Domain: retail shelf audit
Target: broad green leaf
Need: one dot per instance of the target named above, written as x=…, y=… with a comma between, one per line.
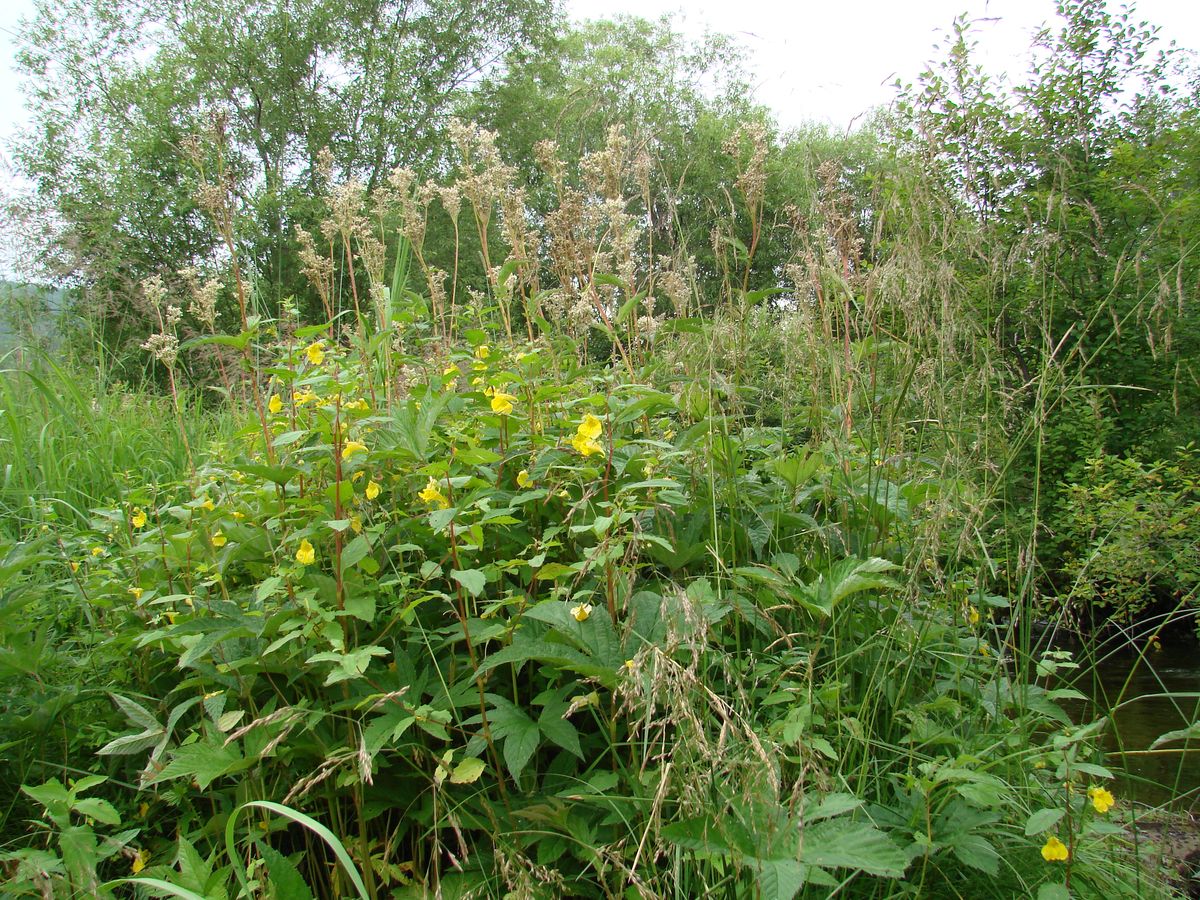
x=471, y=579
x=468, y=771
x=1043, y=820
x=853, y=845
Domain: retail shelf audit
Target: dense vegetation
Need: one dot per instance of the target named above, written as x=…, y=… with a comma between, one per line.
x=610, y=498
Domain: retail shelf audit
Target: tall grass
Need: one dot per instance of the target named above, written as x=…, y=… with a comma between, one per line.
x=72, y=440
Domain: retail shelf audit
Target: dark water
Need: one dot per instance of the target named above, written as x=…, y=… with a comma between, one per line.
x=1149, y=697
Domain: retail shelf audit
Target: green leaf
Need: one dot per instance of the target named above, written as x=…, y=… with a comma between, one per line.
x=853, y=845
x=468, y=771
x=355, y=551
x=283, y=878
x=98, y=809
x=203, y=762
x=1043, y=820
x=1053, y=891
x=471, y=579
x=360, y=604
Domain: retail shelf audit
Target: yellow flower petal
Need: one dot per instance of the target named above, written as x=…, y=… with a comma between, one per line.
x=315, y=353
x=306, y=555
x=590, y=427
x=1055, y=850
x=372, y=490
x=581, y=612
x=523, y=479
x=432, y=494
x=275, y=404
x=502, y=403
x=219, y=540
x=483, y=351
x=351, y=447
x=139, y=861
x=137, y=592
x=585, y=446
x=138, y=519
x=1102, y=800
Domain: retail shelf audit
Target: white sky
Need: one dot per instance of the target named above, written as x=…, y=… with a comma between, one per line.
x=827, y=61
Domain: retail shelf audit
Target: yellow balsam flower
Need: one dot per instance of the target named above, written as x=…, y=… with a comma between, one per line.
x=219, y=540
x=1102, y=800
x=1055, y=850
x=74, y=566
x=139, y=861
x=584, y=441
x=432, y=494
x=137, y=593
x=207, y=504
x=97, y=551
x=356, y=524
x=483, y=351
x=138, y=519
x=372, y=490
x=352, y=447
x=275, y=404
x=581, y=612
x=450, y=372
x=972, y=615
x=502, y=403
x=523, y=479
x=306, y=555
x=315, y=353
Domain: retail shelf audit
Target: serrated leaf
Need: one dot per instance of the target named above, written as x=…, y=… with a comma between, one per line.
x=283, y=877
x=99, y=809
x=853, y=845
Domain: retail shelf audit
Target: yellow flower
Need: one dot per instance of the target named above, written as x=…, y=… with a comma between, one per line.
x=584, y=441
x=97, y=551
x=351, y=447
x=138, y=519
x=238, y=514
x=275, y=404
x=668, y=434
x=585, y=446
x=1055, y=850
x=306, y=555
x=207, y=504
x=302, y=397
x=372, y=490
x=139, y=860
x=581, y=612
x=356, y=524
x=502, y=403
x=450, y=371
x=590, y=427
x=432, y=494
x=315, y=353
x=74, y=566
x=1102, y=800
x=482, y=351
x=219, y=540
x=972, y=615
x=137, y=593
x=360, y=404
x=523, y=479
x=170, y=617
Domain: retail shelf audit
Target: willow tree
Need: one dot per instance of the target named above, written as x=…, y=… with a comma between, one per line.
x=119, y=90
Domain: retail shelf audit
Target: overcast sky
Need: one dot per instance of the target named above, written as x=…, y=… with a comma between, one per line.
x=811, y=61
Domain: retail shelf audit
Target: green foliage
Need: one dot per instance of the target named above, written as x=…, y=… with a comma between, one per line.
x=1134, y=530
